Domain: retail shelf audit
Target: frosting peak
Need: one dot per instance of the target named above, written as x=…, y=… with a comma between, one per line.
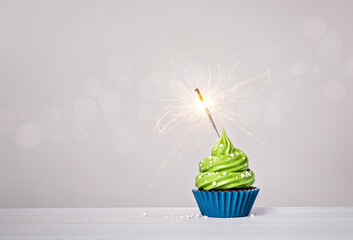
x=223, y=146
x=227, y=167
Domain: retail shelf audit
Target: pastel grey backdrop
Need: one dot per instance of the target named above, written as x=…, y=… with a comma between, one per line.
x=79, y=97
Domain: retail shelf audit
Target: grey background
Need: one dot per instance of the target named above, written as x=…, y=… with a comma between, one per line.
x=80, y=95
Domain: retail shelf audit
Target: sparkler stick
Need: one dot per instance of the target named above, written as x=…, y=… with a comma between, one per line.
x=207, y=111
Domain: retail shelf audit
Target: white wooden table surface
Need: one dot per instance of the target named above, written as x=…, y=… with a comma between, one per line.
x=130, y=223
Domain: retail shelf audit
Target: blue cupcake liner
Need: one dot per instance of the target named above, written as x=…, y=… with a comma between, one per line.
x=225, y=204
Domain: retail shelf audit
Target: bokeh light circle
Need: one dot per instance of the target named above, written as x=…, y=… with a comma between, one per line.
x=28, y=136
x=316, y=69
x=330, y=49
x=280, y=101
x=109, y=100
x=119, y=68
x=146, y=91
x=145, y=113
x=314, y=28
x=85, y=109
x=92, y=87
x=298, y=68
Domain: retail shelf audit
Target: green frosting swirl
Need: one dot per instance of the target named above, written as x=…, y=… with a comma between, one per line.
x=228, y=167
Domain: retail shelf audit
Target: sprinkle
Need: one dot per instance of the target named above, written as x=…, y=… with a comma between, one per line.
x=224, y=173
x=145, y=214
x=171, y=214
x=187, y=216
x=207, y=167
x=214, y=183
x=221, y=145
x=198, y=215
x=191, y=215
x=202, y=168
x=232, y=154
x=210, y=157
x=252, y=215
x=219, y=176
x=182, y=217
x=213, y=173
x=211, y=165
x=206, y=180
x=199, y=176
x=205, y=217
x=244, y=158
x=211, y=162
x=242, y=175
x=246, y=164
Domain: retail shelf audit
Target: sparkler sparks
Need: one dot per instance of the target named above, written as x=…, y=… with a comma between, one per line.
x=223, y=93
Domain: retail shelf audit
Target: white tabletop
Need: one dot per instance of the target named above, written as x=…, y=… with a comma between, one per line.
x=175, y=223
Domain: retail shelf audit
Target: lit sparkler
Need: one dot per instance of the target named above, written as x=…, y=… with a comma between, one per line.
x=207, y=111
x=222, y=92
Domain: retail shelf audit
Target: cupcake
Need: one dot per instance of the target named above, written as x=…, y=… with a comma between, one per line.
x=225, y=182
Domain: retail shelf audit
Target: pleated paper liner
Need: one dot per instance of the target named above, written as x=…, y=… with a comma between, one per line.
x=226, y=204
